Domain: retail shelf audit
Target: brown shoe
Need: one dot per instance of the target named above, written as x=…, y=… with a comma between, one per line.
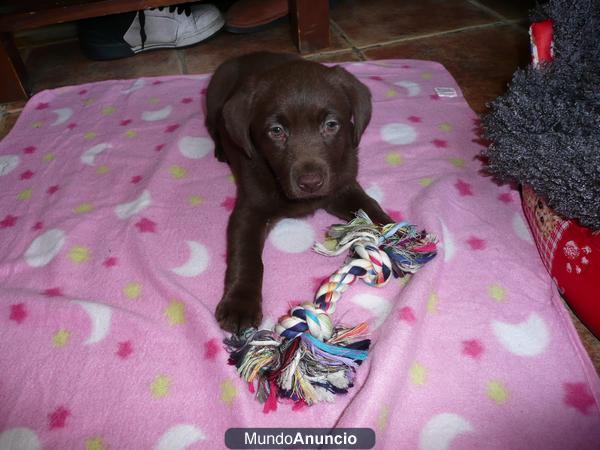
x=248, y=16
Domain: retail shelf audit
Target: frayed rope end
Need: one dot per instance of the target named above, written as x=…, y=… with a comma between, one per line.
x=303, y=368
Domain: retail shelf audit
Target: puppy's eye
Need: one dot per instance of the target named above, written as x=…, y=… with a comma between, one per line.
x=331, y=126
x=276, y=132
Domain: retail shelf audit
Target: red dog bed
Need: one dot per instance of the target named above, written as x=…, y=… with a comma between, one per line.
x=569, y=251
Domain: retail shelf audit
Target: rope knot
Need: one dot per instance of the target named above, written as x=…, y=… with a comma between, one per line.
x=305, y=317
x=376, y=263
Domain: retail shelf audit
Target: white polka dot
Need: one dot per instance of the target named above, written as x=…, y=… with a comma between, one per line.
x=521, y=228
x=89, y=156
x=439, y=432
x=45, y=247
x=292, y=236
x=180, y=437
x=62, y=115
x=100, y=317
x=412, y=89
x=160, y=114
x=126, y=210
x=375, y=192
x=8, y=163
x=398, y=134
x=379, y=307
x=527, y=338
x=197, y=262
x=195, y=147
x=19, y=439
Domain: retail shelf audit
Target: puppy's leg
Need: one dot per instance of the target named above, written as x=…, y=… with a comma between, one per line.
x=346, y=203
x=219, y=152
x=241, y=305
x=213, y=131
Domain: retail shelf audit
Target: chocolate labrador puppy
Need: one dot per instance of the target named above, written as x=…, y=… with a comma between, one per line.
x=289, y=129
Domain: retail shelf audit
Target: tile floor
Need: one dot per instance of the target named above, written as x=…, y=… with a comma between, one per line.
x=481, y=43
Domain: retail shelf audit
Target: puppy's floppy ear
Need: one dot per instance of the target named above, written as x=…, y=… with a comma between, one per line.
x=360, y=99
x=237, y=114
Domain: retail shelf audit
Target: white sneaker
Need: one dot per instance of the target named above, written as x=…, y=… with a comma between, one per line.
x=173, y=27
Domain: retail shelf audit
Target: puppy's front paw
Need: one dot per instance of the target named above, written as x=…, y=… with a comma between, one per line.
x=238, y=311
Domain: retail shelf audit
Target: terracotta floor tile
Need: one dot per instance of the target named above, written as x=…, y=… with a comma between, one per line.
x=334, y=57
x=14, y=107
x=368, y=23
x=510, y=9
x=482, y=61
x=63, y=64
x=6, y=123
x=207, y=56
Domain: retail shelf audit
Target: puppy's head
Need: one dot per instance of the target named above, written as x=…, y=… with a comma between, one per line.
x=305, y=120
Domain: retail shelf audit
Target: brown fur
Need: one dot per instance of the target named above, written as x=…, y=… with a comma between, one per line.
x=289, y=129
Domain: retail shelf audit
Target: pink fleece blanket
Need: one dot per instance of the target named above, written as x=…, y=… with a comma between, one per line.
x=112, y=237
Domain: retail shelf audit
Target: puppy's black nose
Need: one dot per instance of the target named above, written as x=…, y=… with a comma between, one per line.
x=310, y=181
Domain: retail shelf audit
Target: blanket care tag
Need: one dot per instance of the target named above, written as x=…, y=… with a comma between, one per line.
x=445, y=92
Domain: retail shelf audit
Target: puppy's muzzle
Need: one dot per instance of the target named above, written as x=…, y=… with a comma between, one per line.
x=310, y=179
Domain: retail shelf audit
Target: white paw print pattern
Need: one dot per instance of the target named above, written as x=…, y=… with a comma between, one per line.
x=579, y=257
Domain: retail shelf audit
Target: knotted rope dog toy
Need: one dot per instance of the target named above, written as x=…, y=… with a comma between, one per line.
x=307, y=358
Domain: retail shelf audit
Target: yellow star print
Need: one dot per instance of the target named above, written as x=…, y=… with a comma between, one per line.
x=425, y=181
x=132, y=290
x=496, y=292
x=61, y=338
x=84, y=208
x=445, y=126
x=90, y=135
x=94, y=444
x=25, y=195
x=178, y=172
x=394, y=159
x=382, y=418
x=175, y=312
x=228, y=392
x=160, y=386
x=102, y=169
x=48, y=157
x=497, y=392
x=195, y=200
x=79, y=254
x=418, y=374
x=108, y=110
x=131, y=133
x=457, y=162
x=432, y=303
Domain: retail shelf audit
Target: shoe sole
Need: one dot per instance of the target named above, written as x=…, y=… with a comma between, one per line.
x=123, y=50
x=184, y=41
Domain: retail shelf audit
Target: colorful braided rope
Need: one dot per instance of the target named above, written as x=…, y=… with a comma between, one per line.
x=307, y=358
